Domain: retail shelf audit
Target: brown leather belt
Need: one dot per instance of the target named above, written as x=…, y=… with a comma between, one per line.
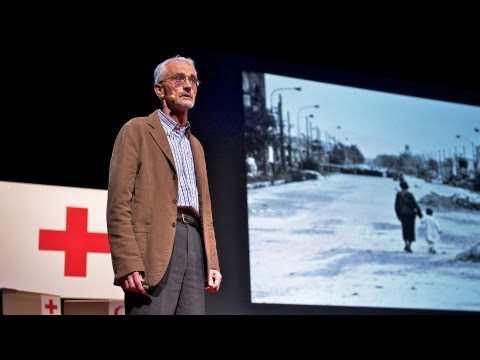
x=188, y=219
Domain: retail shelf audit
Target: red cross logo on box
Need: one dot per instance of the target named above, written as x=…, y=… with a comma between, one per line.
x=50, y=305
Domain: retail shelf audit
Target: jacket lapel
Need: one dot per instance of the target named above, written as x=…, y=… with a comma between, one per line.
x=158, y=134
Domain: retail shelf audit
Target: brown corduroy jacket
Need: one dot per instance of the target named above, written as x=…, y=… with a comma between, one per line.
x=142, y=200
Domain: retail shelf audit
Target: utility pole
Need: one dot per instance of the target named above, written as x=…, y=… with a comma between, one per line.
x=307, y=137
x=282, y=142
x=289, y=140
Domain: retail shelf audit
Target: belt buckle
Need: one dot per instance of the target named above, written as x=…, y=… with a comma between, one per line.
x=184, y=219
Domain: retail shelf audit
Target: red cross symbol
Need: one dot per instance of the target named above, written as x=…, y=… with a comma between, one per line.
x=76, y=241
x=51, y=306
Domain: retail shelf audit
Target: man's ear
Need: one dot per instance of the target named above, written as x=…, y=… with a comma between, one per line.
x=159, y=91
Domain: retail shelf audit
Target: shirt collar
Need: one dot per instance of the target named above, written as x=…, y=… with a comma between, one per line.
x=170, y=125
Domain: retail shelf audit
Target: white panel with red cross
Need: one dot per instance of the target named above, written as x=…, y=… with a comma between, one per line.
x=53, y=239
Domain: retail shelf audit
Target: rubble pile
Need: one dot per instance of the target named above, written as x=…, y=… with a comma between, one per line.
x=449, y=202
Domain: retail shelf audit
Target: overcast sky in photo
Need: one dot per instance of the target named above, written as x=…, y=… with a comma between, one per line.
x=377, y=122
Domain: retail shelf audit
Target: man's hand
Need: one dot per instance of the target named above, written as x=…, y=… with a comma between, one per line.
x=132, y=283
x=214, y=280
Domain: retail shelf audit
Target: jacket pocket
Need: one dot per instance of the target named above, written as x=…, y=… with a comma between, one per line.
x=140, y=228
x=141, y=237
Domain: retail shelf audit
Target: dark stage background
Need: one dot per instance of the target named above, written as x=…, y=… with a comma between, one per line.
x=69, y=94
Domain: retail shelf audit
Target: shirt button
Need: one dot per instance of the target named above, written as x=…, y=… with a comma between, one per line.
x=173, y=224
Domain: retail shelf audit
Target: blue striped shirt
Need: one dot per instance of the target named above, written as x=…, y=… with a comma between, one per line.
x=182, y=154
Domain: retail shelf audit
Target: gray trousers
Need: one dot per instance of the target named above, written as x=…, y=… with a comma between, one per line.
x=182, y=289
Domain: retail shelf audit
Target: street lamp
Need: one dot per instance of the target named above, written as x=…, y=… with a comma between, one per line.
x=298, y=115
x=471, y=142
x=281, y=89
x=308, y=137
x=339, y=127
x=474, y=158
x=280, y=120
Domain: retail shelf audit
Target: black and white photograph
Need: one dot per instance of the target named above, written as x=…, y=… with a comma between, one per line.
x=359, y=197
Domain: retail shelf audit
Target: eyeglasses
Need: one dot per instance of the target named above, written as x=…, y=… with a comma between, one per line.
x=179, y=80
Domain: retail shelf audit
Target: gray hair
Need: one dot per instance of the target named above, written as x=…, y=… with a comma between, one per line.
x=161, y=68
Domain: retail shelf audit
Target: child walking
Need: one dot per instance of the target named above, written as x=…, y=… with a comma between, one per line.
x=432, y=230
